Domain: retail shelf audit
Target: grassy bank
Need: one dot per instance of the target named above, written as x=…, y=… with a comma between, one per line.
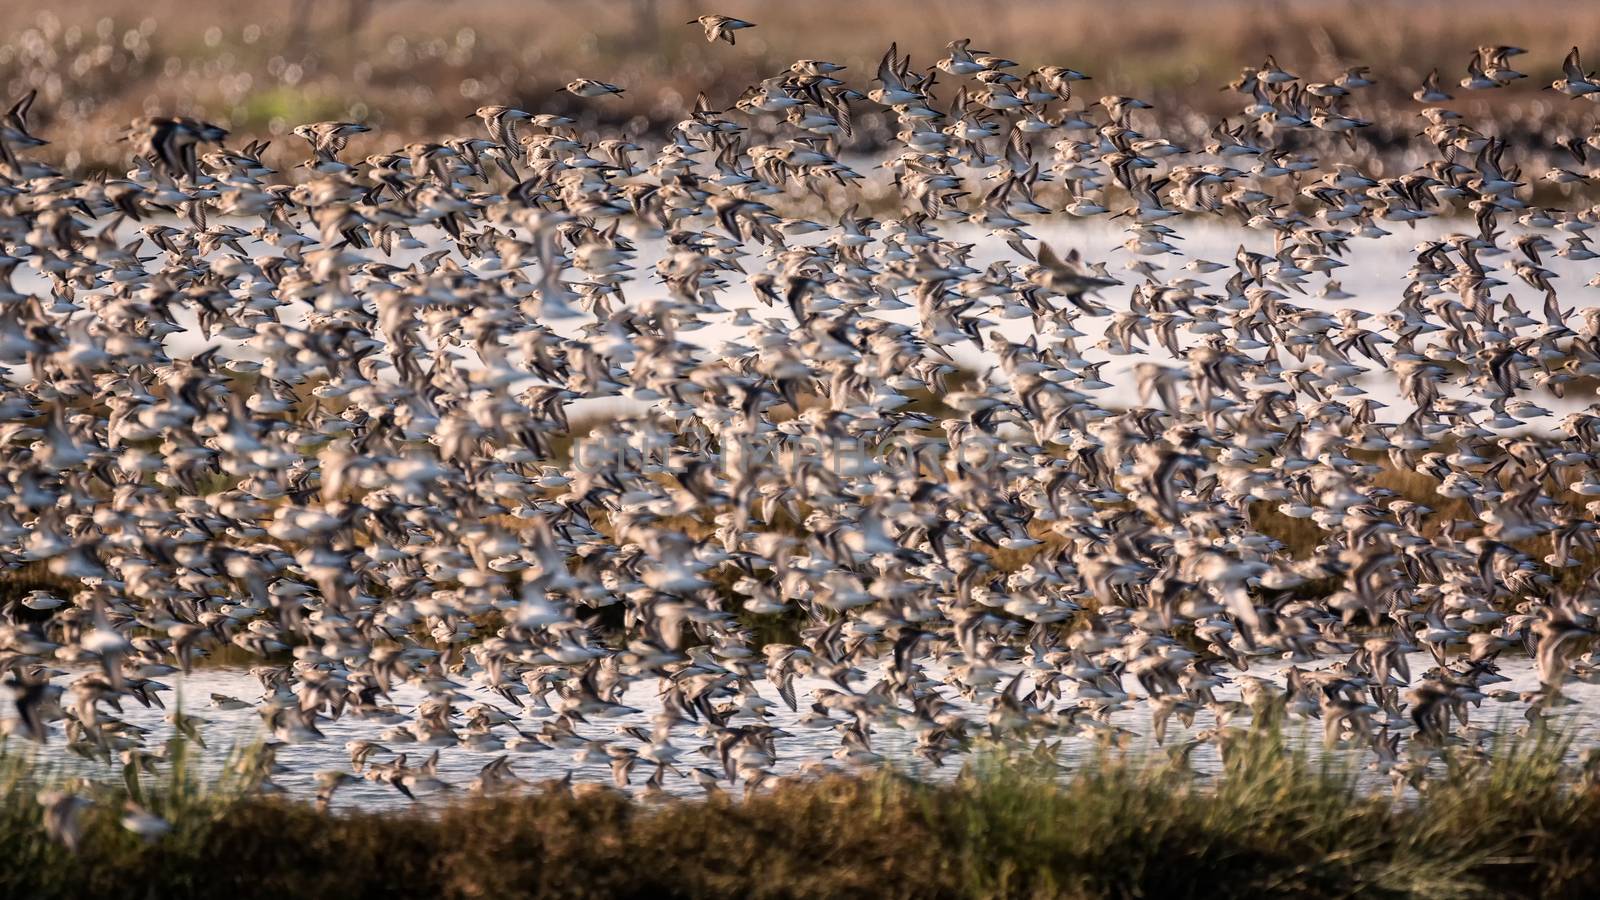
x=1514, y=824
x=414, y=68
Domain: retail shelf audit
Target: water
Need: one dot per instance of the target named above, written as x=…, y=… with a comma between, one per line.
x=1376, y=275
x=805, y=746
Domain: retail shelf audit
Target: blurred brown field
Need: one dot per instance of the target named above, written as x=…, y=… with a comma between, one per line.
x=416, y=68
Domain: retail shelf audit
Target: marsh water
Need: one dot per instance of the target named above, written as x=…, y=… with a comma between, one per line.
x=1375, y=275
x=805, y=745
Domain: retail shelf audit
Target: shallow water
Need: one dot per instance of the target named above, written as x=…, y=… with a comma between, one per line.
x=1375, y=275
x=806, y=744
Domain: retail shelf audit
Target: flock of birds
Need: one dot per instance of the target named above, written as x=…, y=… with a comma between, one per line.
x=364, y=472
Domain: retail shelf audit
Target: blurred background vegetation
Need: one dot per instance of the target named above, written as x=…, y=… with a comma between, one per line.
x=416, y=68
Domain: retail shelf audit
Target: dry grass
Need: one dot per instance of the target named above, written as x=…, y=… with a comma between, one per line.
x=416, y=67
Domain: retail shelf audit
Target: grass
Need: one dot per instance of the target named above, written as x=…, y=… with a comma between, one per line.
x=414, y=68
x=275, y=107
x=1273, y=823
